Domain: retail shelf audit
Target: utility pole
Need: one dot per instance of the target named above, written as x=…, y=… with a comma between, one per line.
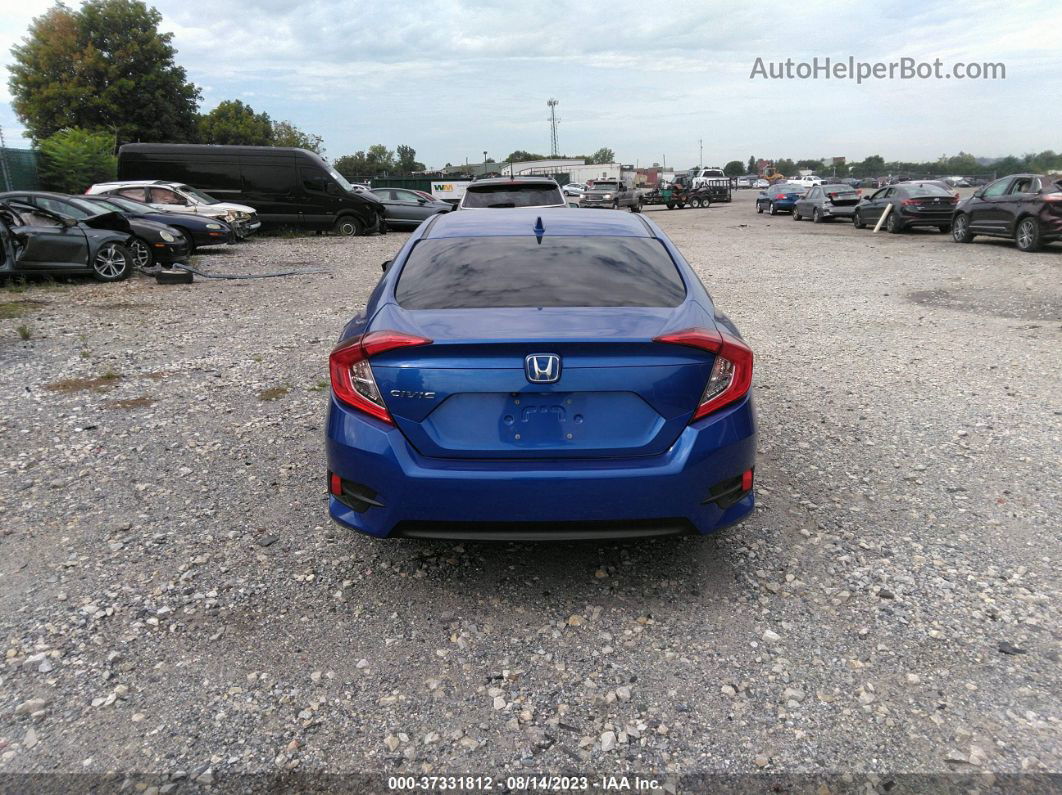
x=554, y=147
x=484, y=161
x=700, y=159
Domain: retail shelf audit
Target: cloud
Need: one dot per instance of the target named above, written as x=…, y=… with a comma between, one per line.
x=453, y=77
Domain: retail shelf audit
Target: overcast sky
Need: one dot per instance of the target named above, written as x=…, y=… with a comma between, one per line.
x=453, y=78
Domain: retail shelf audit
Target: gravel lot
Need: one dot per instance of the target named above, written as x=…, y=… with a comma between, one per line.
x=175, y=602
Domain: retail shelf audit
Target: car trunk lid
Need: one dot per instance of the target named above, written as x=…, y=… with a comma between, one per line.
x=470, y=394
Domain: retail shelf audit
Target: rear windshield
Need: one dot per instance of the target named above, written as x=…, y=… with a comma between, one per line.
x=926, y=190
x=512, y=196
x=605, y=185
x=513, y=272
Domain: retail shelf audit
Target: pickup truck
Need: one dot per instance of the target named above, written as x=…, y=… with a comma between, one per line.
x=612, y=193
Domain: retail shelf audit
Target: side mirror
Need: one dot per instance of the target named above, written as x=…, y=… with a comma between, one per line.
x=68, y=222
x=422, y=200
x=979, y=193
x=385, y=265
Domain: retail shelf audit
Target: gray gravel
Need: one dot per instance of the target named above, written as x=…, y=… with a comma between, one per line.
x=174, y=600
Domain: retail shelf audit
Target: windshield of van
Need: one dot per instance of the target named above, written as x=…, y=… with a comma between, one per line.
x=341, y=180
x=198, y=195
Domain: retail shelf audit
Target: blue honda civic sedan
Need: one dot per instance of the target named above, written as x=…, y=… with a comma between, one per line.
x=540, y=374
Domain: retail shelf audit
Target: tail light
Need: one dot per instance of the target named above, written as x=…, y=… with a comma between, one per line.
x=352, y=379
x=731, y=374
x=1053, y=197
x=909, y=202
x=779, y=196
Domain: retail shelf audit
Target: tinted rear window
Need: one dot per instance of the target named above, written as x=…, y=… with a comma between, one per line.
x=510, y=272
x=926, y=190
x=512, y=196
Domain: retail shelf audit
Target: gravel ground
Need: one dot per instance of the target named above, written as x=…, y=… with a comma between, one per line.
x=175, y=602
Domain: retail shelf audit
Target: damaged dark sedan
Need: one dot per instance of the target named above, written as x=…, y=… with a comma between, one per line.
x=151, y=242
x=38, y=241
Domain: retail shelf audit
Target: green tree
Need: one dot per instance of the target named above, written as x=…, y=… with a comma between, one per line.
x=232, y=122
x=815, y=166
x=602, y=155
x=734, y=168
x=104, y=66
x=407, y=162
x=355, y=165
x=873, y=166
x=522, y=156
x=381, y=160
x=785, y=167
x=73, y=159
x=752, y=165
x=287, y=134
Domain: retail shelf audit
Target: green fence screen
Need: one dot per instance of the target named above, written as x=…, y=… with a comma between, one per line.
x=18, y=169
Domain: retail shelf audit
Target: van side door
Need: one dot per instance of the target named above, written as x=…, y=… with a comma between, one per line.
x=319, y=200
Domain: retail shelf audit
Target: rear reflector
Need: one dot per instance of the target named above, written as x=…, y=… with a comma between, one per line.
x=746, y=480
x=335, y=485
x=731, y=375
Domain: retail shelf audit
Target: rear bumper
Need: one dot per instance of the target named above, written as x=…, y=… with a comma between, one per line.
x=559, y=499
x=926, y=217
x=843, y=211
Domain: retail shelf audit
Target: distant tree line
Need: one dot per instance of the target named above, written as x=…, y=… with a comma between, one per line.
x=960, y=164
x=602, y=155
x=378, y=160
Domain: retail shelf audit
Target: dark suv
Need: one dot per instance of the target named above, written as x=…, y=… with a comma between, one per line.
x=1024, y=207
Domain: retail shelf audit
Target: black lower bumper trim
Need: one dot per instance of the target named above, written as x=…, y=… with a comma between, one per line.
x=543, y=531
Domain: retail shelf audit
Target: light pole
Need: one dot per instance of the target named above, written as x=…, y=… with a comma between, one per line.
x=484, y=161
x=700, y=159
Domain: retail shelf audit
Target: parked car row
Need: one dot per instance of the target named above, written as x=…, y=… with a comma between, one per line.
x=1026, y=208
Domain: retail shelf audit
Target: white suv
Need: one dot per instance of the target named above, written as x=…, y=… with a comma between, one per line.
x=810, y=181
x=176, y=197
x=502, y=192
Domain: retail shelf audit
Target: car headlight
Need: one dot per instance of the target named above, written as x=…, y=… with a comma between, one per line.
x=213, y=226
x=167, y=236
x=608, y=195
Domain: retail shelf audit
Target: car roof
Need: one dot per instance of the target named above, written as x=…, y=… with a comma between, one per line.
x=139, y=182
x=515, y=222
x=479, y=183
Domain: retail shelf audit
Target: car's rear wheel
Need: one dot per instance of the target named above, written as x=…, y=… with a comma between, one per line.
x=858, y=222
x=759, y=208
x=960, y=229
x=796, y=215
x=349, y=226
x=1027, y=235
x=816, y=216
x=893, y=225
x=112, y=263
x=772, y=210
x=141, y=252
x=637, y=206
